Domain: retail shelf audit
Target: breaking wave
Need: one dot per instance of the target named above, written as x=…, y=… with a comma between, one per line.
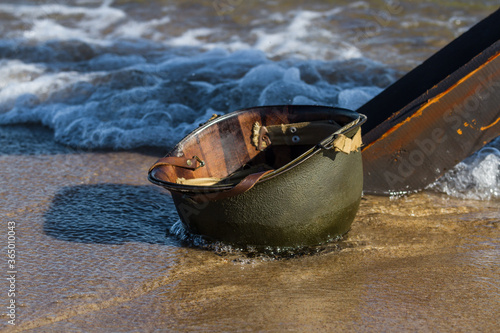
x=124, y=101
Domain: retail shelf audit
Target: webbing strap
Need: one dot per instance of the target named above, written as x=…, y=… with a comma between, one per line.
x=181, y=162
x=247, y=183
x=304, y=133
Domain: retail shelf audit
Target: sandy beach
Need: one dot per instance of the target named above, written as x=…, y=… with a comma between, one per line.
x=93, y=253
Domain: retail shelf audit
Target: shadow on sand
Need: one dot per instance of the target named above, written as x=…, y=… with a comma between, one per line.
x=111, y=214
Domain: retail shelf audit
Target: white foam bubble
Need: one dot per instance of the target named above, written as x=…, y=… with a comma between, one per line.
x=22, y=94
x=356, y=97
x=14, y=72
x=75, y=22
x=290, y=86
x=302, y=38
x=43, y=30
x=477, y=177
x=150, y=29
x=191, y=37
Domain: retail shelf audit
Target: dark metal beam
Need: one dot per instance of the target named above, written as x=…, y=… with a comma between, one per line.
x=436, y=115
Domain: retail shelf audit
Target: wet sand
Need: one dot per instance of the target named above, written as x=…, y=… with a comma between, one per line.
x=94, y=254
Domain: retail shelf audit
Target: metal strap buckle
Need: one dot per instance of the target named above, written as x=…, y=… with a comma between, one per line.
x=202, y=163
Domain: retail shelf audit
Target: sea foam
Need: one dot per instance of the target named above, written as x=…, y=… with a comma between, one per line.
x=477, y=177
x=125, y=101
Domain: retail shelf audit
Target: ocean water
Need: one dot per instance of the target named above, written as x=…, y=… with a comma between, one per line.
x=127, y=74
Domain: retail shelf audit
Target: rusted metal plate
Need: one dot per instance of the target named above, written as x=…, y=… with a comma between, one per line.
x=440, y=127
